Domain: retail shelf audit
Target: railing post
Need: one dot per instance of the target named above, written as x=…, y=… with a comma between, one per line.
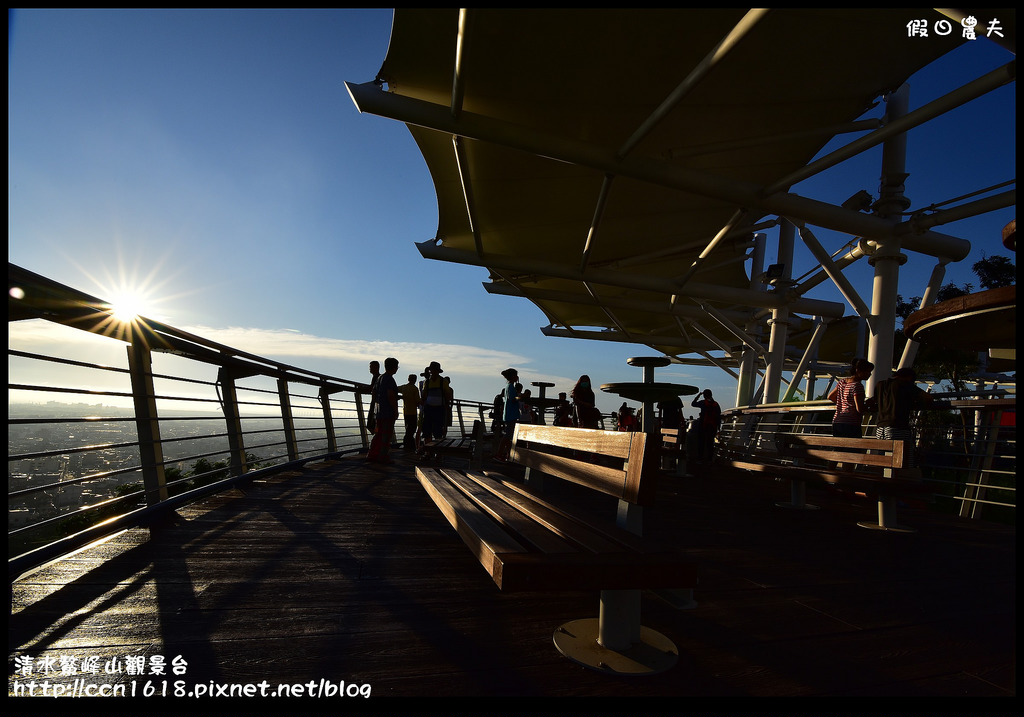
x=286, y=418
x=325, y=403
x=229, y=404
x=361, y=419
x=140, y=368
x=982, y=453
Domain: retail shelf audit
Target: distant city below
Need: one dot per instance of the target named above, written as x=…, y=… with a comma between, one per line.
x=69, y=464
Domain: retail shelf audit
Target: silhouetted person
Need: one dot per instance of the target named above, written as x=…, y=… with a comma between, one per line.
x=410, y=394
x=896, y=399
x=584, y=405
x=848, y=395
x=385, y=400
x=708, y=424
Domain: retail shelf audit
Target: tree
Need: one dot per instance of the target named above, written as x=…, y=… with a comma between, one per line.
x=951, y=364
x=995, y=272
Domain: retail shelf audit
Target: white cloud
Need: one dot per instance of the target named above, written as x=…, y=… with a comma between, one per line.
x=475, y=370
x=289, y=344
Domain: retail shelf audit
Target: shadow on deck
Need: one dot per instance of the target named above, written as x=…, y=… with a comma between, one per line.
x=343, y=572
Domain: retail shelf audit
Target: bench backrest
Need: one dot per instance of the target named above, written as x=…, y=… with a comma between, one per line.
x=611, y=462
x=673, y=438
x=866, y=451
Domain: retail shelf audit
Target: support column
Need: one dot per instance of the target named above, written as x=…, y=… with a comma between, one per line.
x=229, y=404
x=288, y=421
x=887, y=258
x=151, y=454
x=748, y=360
x=780, y=316
x=325, y=404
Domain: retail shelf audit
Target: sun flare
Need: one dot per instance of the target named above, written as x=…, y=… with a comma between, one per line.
x=127, y=306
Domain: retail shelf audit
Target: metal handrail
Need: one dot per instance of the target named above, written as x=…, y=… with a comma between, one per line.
x=309, y=426
x=981, y=472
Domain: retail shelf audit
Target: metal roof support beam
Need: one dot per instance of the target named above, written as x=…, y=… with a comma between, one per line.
x=730, y=295
x=930, y=292
x=605, y=310
x=709, y=336
x=458, y=88
x=670, y=251
x=702, y=257
x=602, y=199
x=467, y=190
x=717, y=54
x=899, y=125
x=837, y=276
x=368, y=97
x=855, y=254
x=617, y=336
x=615, y=302
x=713, y=361
x=964, y=211
x=716, y=147
x=551, y=316
x=747, y=339
x=801, y=367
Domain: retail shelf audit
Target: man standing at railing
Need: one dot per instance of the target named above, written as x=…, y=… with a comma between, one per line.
x=385, y=400
x=896, y=398
x=410, y=394
x=371, y=418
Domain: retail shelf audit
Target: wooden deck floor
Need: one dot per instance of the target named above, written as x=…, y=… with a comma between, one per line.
x=343, y=572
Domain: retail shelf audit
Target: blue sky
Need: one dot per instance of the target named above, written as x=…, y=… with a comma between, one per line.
x=214, y=161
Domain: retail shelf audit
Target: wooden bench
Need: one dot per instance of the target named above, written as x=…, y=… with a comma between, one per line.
x=869, y=465
x=527, y=541
x=673, y=450
x=471, y=446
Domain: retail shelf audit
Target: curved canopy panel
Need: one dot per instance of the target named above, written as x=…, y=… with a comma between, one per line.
x=615, y=166
x=982, y=321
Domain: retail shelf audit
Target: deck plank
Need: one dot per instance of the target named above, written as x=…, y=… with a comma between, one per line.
x=343, y=571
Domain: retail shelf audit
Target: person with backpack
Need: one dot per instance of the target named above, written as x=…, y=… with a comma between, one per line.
x=434, y=397
x=708, y=424
x=510, y=417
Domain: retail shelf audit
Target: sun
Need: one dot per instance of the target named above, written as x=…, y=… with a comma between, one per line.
x=127, y=306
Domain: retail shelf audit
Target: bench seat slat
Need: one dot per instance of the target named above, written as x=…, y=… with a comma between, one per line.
x=483, y=536
x=874, y=485
x=521, y=524
x=583, y=534
x=867, y=459
x=528, y=543
x=584, y=571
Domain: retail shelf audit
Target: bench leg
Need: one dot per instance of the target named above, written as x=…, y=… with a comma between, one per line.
x=616, y=642
x=887, y=517
x=797, y=496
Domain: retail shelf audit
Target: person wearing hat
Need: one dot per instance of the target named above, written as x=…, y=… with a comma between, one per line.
x=433, y=397
x=511, y=413
x=895, y=399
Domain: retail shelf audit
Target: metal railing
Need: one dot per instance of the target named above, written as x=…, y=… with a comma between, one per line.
x=95, y=447
x=966, y=449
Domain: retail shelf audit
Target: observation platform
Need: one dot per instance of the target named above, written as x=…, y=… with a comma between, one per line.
x=347, y=572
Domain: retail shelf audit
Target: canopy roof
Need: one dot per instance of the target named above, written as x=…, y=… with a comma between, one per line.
x=614, y=166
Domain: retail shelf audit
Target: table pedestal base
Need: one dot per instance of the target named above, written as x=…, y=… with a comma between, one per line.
x=653, y=654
